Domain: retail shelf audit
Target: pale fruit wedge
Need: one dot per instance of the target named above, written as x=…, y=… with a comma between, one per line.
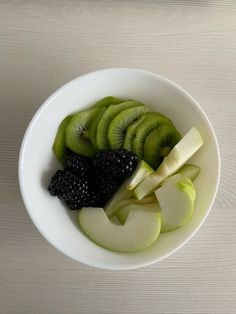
x=176, y=199
x=115, y=220
x=142, y=170
x=190, y=170
x=123, y=193
x=140, y=230
x=146, y=200
x=123, y=213
x=177, y=157
x=181, y=153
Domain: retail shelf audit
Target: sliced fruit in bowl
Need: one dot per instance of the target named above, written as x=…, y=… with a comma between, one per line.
x=37, y=163
x=125, y=203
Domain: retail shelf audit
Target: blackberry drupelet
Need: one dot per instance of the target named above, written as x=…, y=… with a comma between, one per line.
x=71, y=185
x=95, y=199
x=52, y=188
x=118, y=163
x=90, y=200
x=78, y=164
x=105, y=186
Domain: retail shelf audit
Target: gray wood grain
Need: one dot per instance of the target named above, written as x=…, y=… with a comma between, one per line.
x=43, y=44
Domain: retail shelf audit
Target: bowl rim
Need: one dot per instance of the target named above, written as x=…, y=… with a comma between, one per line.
x=55, y=94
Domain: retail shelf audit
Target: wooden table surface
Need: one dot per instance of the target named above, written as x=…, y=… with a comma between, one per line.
x=44, y=44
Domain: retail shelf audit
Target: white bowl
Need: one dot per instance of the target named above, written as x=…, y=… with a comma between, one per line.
x=37, y=163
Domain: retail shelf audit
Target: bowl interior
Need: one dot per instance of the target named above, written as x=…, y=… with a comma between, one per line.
x=37, y=163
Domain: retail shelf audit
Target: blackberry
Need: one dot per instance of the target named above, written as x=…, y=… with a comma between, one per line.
x=84, y=183
x=94, y=200
x=118, y=163
x=91, y=200
x=105, y=186
x=78, y=164
x=73, y=204
x=52, y=188
x=69, y=188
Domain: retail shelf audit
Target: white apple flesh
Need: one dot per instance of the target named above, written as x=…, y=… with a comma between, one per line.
x=176, y=199
x=123, y=213
x=142, y=171
x=147, y=200
x=190, y=170
x=121, y=194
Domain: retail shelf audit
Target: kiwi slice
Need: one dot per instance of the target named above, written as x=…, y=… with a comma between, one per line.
x=151, y=122
x=159, y=143
x=130, y=132
x=59, y=145
x=107, y=101
x=93, y=127
x=118, y=126
x=103, y=125
x=77, y=133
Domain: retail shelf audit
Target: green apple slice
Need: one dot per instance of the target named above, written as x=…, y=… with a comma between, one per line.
x=177, y=157
x=123, y=193
x=176, y=210
x=146, y=200
x=190, y=170
x=142, y=170
x=115, y=220
x=181, y=153
x=140, y=230
x=123, y=213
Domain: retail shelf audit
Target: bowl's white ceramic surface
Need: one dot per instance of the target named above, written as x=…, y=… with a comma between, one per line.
x=37, y=163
